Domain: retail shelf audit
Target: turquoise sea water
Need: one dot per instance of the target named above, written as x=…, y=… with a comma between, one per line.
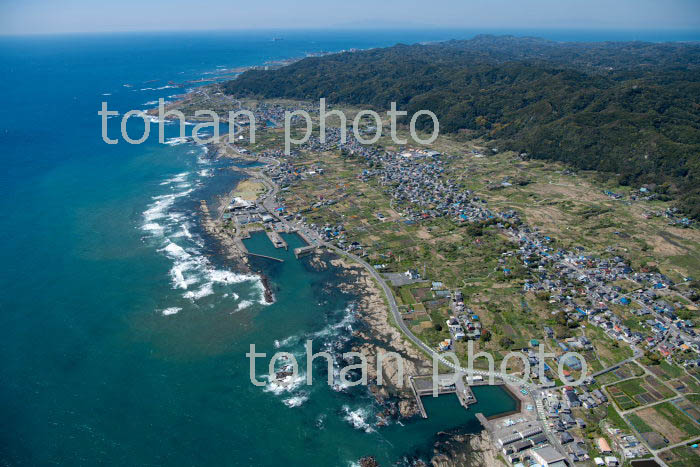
x=122, y=332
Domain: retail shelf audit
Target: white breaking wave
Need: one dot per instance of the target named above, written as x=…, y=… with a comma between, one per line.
x=204, y=291
x=228, y=277
x=153, y=227
x=184, y=231
x=358, y=419
x=332, y=329
x=243, y=305
x=171, y=311
x=296, y=401
x=176, y=251
x=191, y=271
x=179, y=178
x=286, y=341
x=286, y=384
x=158, y=209
x=176, y=141
x=156, y=89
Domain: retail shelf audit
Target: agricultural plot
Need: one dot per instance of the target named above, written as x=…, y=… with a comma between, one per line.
x=666, y=371
x=689, y=406
x=681, y=456
x=639, y=391
x=627, y=370
x=667, y=421
x=623, y=401
x=651, y=437
x=685, y=384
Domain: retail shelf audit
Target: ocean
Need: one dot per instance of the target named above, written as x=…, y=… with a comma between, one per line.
x=123, y=332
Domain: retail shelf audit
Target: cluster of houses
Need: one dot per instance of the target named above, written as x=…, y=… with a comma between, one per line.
x=583, y=286
x=416, y=182
x=627, y=443
x=673, y=216
x=286, y=173
x=558, y=407
x=413, y=178
x=464, y=323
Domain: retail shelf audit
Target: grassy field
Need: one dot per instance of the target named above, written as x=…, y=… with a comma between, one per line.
x=607, y=350
x=249, y=190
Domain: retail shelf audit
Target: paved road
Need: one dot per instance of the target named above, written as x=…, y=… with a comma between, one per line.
x=270, y=204
x=636, y=354
x=682, y=443
x=407, y=332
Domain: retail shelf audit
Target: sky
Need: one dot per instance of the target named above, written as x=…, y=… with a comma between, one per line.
x=65, y=16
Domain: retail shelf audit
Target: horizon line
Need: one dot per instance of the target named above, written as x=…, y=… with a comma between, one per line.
x=377, y=28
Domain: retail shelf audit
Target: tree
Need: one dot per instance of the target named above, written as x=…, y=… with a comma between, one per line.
x=506, y=342
x=486, y=336
x=654, y=358
x=561, y=318
x=552, y=101
x=542, y=295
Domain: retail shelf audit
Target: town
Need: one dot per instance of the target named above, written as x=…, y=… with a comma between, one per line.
x=634, y=325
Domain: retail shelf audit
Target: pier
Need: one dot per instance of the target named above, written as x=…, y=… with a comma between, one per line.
x=484, y=421
x=241, y=246
x=303, y=250
x=266, y=257
x=464, y=393
x=276, y=239
x=419, y=402
x=446, y=384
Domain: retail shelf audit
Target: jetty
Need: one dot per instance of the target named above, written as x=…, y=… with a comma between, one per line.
x=241, y=246
x=276, y=239
x=446, y=384
x=303, y=250
x=464, y=393
x=419, y=402
x=266, y=257
x=484, y=421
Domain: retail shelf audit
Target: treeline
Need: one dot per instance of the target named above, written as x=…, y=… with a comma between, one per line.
x=632, y=109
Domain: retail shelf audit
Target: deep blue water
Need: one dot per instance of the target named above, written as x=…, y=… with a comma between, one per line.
x=99, y=241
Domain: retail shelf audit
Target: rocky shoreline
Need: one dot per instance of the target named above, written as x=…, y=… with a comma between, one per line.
x=457, y=450
x=379, y=335
x=451, y=449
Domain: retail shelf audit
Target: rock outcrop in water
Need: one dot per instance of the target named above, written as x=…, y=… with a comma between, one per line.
x=368, y=461
x=408, y=408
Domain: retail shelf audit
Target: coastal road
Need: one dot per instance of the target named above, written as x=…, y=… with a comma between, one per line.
x=270, y=205
x=407, y=332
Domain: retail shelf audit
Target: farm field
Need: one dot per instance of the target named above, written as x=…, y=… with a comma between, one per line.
x=664, y=424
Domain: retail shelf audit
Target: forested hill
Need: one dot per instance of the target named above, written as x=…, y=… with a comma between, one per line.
x=629, y=108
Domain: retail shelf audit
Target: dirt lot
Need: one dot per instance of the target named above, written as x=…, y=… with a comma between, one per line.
x=662, y=425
